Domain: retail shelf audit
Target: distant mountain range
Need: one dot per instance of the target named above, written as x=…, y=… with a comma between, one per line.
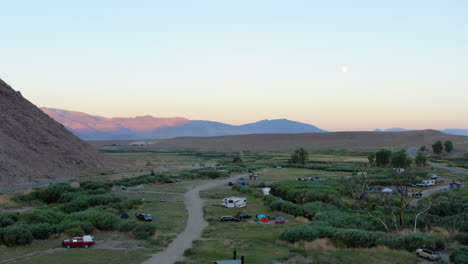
x=91, y=127
x=450, y=131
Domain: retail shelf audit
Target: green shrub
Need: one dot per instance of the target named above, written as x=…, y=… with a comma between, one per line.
x=459, y=255
x=143, y=231
x=16, y=235
x=126, y=225
x=101, y=220
x=94, y=185
x=462, y=238
x=7, y=219
x=356, y=238
x=75, y=232
x=41, y=215
x=41, y=231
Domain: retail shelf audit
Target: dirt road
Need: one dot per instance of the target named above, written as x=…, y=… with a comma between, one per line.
x=431, y=191
x=195, y=225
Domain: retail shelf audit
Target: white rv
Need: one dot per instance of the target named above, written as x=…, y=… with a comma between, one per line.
x=426, y=183
x=234, y=202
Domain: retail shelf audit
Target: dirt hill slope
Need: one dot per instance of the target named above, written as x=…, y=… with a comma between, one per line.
x=33, y=147
x=355, y=141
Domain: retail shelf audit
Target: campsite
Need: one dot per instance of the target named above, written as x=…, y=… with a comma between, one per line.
x=318, y=214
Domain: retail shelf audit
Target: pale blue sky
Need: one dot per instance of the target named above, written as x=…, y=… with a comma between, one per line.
x=242, y=61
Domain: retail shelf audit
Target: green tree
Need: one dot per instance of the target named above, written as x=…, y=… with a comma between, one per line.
x=16, y=235
x=437, y=147
x=371, y=158
x=422, y=148
x=382, y=157
x=448, y=145
x=421, y=160
x=400, y=159
x=299, y=156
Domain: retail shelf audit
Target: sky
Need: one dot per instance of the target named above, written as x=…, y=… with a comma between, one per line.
x=339, y=65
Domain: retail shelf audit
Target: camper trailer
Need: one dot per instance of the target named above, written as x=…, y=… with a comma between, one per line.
x=426, y=183
x=234, y=202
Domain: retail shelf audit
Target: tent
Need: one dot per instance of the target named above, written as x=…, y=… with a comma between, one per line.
x=387, y=190
x=260, y=216
x=124, y=216
x=264, y=220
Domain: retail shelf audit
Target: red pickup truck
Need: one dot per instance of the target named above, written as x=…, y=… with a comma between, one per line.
x=85, y=241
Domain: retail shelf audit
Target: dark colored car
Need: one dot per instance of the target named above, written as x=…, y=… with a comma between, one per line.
x=243, y=216
x=169, y=181
x=144, y=217
x=229, y=219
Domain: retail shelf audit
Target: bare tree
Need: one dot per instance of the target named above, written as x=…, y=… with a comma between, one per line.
x=425, y=210
x=358, y=185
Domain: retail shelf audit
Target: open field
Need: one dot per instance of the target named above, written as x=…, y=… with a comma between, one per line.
x=353, y=141
x=249, y=238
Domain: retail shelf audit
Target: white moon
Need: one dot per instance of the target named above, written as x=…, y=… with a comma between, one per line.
x=344, y=69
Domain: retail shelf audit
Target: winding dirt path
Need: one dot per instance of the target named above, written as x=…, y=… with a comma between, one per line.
x=194, y=228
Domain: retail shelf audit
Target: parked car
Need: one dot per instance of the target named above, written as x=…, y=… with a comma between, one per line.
x=144, y=217
x=243, y=216
x=85, y=241
x=169, y=181
x=428, y=254
x=417, y=195
x=279, y=220
x=432, y=176
x=229, y=219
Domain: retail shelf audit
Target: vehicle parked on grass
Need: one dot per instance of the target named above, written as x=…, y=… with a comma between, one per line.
x=243, y=216
x=85, y=241
x=432, y=176
x=279, y=220
x=426, y=183
x=228, y=218
x=234, y=202
x=144, y=217
x=169, y=181
x=428, y=254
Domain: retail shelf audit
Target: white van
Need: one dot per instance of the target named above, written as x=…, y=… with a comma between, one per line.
x=234, y=202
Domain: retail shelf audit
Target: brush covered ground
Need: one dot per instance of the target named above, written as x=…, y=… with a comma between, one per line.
x=260, y=243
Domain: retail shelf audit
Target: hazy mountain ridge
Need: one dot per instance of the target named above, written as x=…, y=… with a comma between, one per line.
x=91, y=127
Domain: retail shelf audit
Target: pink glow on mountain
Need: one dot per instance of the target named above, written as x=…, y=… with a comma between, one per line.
x=82, y=122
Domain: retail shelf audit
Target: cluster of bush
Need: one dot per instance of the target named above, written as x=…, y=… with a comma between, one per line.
x=450, y=210
x=210, y=173
x=322, y=166
x=356, y=238
x=303, y=192
x=73, y=211
x=20, y=229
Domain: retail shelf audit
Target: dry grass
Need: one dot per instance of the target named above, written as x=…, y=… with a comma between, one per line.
x=354, y=141
x=302, y=220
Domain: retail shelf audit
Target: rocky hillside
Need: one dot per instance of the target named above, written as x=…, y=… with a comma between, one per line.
x=35, y=148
